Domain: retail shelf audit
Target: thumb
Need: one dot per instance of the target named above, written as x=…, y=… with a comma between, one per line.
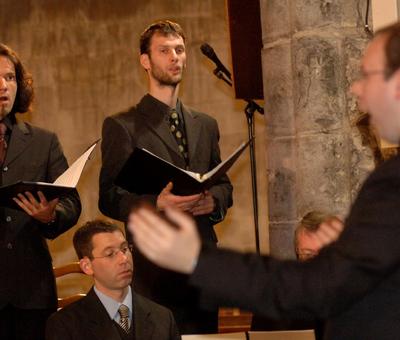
x=168, y=187
x=53, y=203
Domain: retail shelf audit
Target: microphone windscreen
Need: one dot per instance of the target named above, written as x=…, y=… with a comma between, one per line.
x=207, y=50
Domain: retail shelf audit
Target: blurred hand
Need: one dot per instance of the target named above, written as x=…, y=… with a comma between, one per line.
x=329, y=231
x=175, y=247
x=44, y=211
x=205, y=205
x=184, y=203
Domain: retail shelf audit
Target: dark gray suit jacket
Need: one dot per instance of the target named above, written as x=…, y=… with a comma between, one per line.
x=27, y=280
x=354, y=283
x=87, y=319
x=147, y=126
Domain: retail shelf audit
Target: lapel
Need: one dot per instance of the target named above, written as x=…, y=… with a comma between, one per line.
x=155, y=116
x=144, y=325
x=193, y=130
x=99, y=322
x=20, y=139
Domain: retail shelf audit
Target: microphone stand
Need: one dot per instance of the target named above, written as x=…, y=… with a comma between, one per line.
x=249, y=110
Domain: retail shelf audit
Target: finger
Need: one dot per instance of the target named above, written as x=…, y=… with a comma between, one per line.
x=184, y=221
x=186, y=199
x=152, y=222
x=154, y=237
x=42, y=198
x=197, y=211
x=168, y=187
x=337, y=224
x=331, y=229
x=53, y=203
x=32, y=199
x=144, y=243
x=185, y=206
x=25, y=201
x=22, y=206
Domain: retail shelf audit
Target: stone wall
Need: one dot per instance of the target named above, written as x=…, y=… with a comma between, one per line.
x=317, y=157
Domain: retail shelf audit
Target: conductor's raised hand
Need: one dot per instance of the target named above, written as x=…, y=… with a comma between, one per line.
x=184, y=203
x=42, y=210
x=328, y=231
x=174, y=247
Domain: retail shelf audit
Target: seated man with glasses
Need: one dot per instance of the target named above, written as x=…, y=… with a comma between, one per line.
x=111, y=310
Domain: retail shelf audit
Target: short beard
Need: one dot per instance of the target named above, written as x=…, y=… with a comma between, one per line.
x=163, y=78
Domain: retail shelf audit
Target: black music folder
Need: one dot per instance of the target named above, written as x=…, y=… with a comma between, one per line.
x=146, y=173
x=63, y=185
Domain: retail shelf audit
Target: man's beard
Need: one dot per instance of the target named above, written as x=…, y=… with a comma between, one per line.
x=164, y=78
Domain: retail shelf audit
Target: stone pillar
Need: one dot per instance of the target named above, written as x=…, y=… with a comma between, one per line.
x=316, y=156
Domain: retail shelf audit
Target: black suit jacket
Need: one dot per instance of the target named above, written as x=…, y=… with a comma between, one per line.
x=88, y=319
x=146, y=125
x=354, y=283
x=26, y=270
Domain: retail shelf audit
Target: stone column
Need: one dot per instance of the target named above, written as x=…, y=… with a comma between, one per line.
x=316, y=156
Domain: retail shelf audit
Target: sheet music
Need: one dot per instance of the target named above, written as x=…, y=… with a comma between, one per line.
x=71, y=176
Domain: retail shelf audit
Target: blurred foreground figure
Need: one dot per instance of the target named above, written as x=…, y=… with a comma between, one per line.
x=355, y=281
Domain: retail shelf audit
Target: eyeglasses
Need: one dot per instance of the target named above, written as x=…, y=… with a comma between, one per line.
x=112, y=253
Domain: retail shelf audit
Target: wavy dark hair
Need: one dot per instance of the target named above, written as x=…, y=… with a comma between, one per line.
x=164, y=27
x=24, y=97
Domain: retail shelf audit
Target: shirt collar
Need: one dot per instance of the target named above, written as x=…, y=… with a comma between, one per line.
x=112, y=306
x=164, y=107
x=9, y=121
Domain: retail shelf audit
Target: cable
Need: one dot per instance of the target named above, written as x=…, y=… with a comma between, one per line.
x=366, y=25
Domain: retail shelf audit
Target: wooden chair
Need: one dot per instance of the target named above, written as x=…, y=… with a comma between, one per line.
x=279, y=335
x=66, y=269
x=219, y=336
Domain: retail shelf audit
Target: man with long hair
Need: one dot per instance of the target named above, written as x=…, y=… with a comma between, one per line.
x=27, y=286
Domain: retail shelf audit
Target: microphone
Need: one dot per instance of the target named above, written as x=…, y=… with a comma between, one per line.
x=209, y=52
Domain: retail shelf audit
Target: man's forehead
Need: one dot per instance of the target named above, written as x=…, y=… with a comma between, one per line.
x=169, y=39
x=6, y=65
x=103, y=240
x=374, y=52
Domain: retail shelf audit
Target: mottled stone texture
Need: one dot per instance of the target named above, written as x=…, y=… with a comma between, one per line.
x=83, y=55
x=316, y=155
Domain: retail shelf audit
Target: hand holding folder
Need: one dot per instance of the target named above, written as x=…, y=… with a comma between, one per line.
x=63, y=185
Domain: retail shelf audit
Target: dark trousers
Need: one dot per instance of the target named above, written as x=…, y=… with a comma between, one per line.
x=23, y=324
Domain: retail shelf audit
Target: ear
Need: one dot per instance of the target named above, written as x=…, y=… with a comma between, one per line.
x=86, y=266
x=396, y=78
x=145, y=61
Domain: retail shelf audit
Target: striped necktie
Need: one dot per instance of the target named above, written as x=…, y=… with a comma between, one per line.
x=124, y=317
